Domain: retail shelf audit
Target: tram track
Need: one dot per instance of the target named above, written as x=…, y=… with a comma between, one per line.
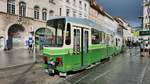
x=16, y=70
x=21, y=78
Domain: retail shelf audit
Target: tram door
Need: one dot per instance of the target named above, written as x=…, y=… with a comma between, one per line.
x=85, y=42
x=80, y=44
x=77, y=41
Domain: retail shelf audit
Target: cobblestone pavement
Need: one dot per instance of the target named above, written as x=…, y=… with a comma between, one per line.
x=15, y=57
x=28, y=74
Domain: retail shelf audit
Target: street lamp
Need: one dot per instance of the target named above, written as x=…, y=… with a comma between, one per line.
x=34, y=47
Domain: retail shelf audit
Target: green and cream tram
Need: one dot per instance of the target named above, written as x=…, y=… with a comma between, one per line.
x=74, y=44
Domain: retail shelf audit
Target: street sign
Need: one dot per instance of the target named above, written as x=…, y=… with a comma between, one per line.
x=144, y=33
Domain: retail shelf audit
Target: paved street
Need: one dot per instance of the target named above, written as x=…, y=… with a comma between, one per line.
x=127, y=68
x=15, y=57
x=124, y=69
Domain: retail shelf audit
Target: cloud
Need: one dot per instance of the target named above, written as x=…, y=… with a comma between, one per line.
x=129, y=10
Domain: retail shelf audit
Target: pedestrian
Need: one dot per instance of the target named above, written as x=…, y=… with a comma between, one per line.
x=149, y=51
x=146, y=49
x=30, y=42
x=142, y=49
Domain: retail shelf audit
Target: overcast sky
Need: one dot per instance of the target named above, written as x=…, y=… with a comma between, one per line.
x=126, y=9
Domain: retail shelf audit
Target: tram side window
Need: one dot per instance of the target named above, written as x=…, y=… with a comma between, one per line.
x=95, y=36
x=68, y=34
x=108, y=39
x=116, y=42
x=101, y=36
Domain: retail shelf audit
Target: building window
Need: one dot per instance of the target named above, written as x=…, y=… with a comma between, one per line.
x=51, y=1
x=85, y=16
x=80, y=4
x=51, y=13
x=67, y=12
x=74, y=13
x=44, y=14
x=85, y=7
x=11, y=6
x=74, y=2
x=36, y=12
x=80, y=14
x=68, y=1
x=60, y=11
x=22, y=9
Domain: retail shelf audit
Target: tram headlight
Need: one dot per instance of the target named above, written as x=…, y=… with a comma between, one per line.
x=59, y=61
x=45, y=58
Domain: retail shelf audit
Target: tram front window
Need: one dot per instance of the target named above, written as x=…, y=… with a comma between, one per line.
x=54, y=34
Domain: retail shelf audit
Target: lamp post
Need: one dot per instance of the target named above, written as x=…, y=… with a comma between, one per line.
x=34, y=47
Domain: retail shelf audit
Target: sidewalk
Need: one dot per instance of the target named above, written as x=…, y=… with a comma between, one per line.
x=15, y=57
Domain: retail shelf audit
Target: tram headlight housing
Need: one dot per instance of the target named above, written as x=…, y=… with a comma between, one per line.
x=59, y=61
x=45, y=58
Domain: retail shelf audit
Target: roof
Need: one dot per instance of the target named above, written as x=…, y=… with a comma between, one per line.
x=87, y=22
x=96, y=7
x=120, y=22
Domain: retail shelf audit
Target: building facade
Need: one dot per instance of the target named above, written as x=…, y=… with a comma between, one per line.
x=146, y=14
x=74, y=8
x=19, y=18
x=96, y=13
x=125, y=28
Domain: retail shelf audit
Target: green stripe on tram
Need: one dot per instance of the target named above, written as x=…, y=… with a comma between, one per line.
x=64, y=51
x=97, y=46
x=57, y=51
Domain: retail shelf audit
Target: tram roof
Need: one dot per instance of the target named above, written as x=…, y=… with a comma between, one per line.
x=86, y=22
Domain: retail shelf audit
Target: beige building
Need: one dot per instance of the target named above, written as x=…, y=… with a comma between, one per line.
x=98, y=15
x=125, y=29
x=74, y=8
x=21, y=17
x=95, y=12
x=146, y=14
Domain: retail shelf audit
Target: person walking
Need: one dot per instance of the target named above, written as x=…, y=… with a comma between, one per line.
x=30, y=43
x=142, y=49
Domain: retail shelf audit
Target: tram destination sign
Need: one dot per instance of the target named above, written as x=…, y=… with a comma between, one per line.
x=144, y=33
